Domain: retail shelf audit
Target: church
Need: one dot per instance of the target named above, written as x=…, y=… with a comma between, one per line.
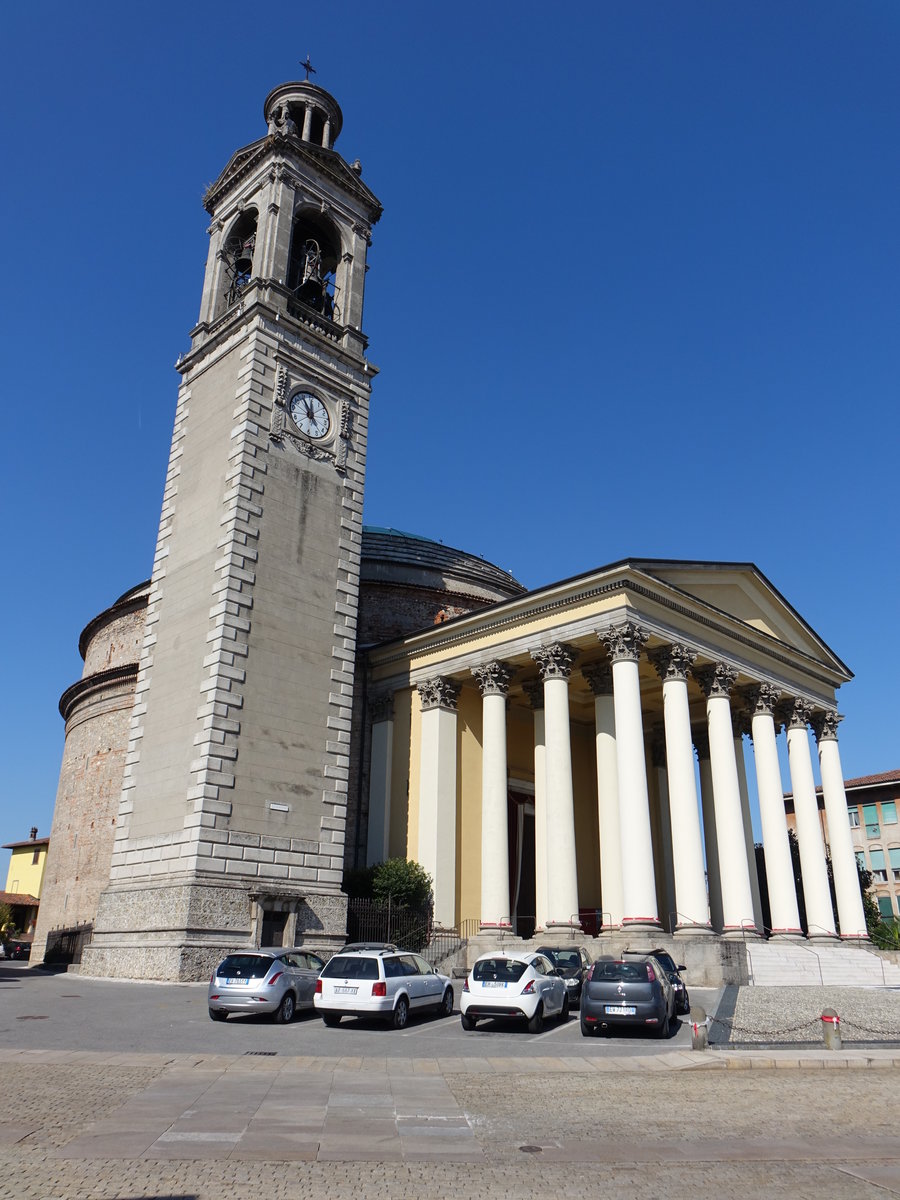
x=293, y=693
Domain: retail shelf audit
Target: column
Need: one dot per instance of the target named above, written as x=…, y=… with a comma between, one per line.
x=534, y=690
x=716, y=682
x=672, y=664
x=326, y=134
x=437, y=793
x=555, y=665
x=784, y=914
x=307, y=122
x=740, y=724
x=816, y=893
x=624, y=644
x=843, y=859
x=493, y=681
x=381, y=710
x=600, y=681
x=664, y=848
x=710, y=844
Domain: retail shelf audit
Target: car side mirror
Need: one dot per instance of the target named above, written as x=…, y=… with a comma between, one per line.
x=682, y=967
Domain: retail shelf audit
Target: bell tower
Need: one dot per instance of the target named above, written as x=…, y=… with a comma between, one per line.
x=231, y=821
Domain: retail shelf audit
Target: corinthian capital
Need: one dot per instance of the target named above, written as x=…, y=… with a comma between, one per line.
x=672, y=662
x=381, y=707
x=825, y=725
x=493, y=678
x=716, y=680
x=598, y=677
x=555, y=661
x=761, y=699
x=534, y=690
x=439, y=692
x=797, y=713
x=624, y=642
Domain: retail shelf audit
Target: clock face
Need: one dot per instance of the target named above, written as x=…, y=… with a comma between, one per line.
x=309, y=414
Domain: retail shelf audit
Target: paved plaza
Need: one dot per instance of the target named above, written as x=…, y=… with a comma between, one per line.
x=432, y=1114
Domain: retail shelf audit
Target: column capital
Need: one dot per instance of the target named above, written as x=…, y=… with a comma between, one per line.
x=740, y=722
x=717, y=679
x=624, y=642
x=555, y=661
x=796, y=713
x=672, y=662
x=439, y=692
x=598, y=677
x=534, y=690
x=493, y=678
x=761, y=699
x=700, y=738
x=381, y=707
x=825, y=723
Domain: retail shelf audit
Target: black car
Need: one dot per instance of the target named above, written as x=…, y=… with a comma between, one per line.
x=628, y=991
x=667, y=962
x=572, y=963
x=18, y=950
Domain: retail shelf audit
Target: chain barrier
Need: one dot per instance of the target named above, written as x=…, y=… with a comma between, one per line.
x=846, y=1024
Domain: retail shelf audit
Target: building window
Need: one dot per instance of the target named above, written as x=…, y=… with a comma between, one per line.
x=888, y=812
x=861, y=860
x=885, y=907
x=879, y=871
x=870, y=816
x=853, y=814
x=894, y=856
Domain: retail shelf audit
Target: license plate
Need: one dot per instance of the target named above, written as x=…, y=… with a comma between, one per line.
x=229, y=982
x=345, y=991
x=494, y=983
x=619, y=1010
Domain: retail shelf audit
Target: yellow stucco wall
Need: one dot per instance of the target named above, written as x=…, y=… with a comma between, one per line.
x=26, y=876
x=468, y=855
x=403, y=787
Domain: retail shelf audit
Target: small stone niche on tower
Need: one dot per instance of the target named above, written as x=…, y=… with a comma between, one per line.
x=315, y=253
x=237, y=260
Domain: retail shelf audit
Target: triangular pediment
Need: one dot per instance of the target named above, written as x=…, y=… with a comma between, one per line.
x=743, y=592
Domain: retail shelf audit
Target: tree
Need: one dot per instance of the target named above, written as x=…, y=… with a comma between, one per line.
x=403, y=882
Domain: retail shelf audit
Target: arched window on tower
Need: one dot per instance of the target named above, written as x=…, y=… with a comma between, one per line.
x=237, y=260
x=315, y=253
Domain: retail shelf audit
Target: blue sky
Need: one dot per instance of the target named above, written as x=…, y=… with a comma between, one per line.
x=635, y=293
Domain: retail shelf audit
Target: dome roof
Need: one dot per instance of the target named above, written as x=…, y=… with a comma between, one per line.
x=386, y=552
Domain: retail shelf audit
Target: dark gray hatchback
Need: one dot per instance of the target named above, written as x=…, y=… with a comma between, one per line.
x=633, y=992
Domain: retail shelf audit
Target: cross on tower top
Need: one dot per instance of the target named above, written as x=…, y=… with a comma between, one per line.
x=308, y=67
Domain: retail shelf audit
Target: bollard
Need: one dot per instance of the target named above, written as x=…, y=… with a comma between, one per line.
x=699, y=1029
x=831, y=1029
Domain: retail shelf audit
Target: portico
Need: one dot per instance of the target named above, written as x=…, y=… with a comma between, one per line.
x=616, y=701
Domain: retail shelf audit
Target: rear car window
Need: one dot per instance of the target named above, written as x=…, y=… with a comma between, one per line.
x=622, y=972
x=351, y=968
x=245, y=966
x=509, y=970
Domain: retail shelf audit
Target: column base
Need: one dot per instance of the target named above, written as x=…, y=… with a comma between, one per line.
x=690, y=931
x=788, y=935
x=553, y=928
x=822, y=935
x=739, y=933
x=861, y=939
x=642, y=925
x=495, y=927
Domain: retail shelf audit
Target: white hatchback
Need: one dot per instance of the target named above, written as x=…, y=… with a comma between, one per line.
x=517, y=987
x=387, y=983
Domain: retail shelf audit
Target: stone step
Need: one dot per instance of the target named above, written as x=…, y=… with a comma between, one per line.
x=784, y=965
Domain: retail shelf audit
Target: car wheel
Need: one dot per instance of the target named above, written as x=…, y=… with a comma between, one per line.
x=467, y=1022
x=536, y=1023
x=284, y=1013
x=331, y=1019
x=662, y=1029
x=401, y=1013
x=564, y=1011
x=217, y=1014
x=446, y=1008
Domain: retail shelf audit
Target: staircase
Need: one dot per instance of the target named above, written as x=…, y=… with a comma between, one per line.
x=789, y=964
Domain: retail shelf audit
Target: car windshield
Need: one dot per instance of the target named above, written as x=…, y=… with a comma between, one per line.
x=666, y=961
x=622, y=972
x=346, y=967
x=505, y=970
x=245, y=966
x=566, y=960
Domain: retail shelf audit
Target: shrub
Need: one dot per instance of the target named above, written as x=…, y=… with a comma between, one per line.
x=403, y=881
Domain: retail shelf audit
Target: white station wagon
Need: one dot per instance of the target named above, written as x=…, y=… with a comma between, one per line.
x=387, y=983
